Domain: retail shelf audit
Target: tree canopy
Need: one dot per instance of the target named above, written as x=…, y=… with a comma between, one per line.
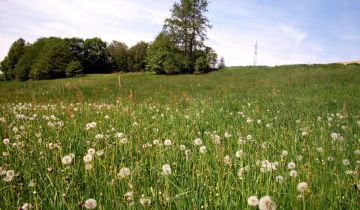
x=178, y=48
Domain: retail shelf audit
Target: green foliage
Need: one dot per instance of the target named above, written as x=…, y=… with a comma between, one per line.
x=52, y=60
x=14, y=55
x=180, y=47
x=76, y=46
x=187, y=27
x=73, y=69
x=31, y=55
x=95, y=56
x=137, y=56
x=118, y=52
x=164, y=57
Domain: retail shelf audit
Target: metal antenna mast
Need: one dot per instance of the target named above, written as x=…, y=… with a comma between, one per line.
x=255, y=56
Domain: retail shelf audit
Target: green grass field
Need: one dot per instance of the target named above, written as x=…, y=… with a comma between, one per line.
x=235, y=133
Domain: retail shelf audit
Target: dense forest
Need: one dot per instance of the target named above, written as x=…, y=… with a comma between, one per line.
x=178, y=48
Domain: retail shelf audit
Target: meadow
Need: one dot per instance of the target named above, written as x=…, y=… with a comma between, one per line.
x=239, y=138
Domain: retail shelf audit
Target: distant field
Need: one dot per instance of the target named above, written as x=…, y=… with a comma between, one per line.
x=235, y=133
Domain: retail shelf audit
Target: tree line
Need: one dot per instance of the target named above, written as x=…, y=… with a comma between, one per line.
x=178, y=48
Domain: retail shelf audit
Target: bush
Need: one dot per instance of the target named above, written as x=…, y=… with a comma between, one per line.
x=73, y=69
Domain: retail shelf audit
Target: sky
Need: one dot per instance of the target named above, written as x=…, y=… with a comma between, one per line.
x=287, y=31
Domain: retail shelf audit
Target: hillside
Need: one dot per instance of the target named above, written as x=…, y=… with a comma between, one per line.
x=220, y=140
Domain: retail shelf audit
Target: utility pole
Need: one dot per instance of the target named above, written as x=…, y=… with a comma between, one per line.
x=255, y=55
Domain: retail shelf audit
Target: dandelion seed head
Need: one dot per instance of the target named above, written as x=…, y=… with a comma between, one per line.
x=26, y=206
x=197, y=142
x=239, y=153
x=167, y=142
x=302, y=187
x=291, y=165
x=88, y=158
x=293, y=173
x=10, y=173
x=346, y=162
x=266, y=203
x=202, y=149
x=66, y=160
x=227, y=160
x=253, y=201
x=166, y=169
x=90, y=203
x=124, y=172
x=145, y=201
x=91, y=151
x=6, y=141
x=182, y=147
x=279, y=179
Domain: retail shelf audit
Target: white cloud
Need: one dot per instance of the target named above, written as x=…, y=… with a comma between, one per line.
x=294, y=33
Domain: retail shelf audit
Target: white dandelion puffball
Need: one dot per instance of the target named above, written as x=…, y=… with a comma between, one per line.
x=26, y=206
x=182, y=147
x=302, y=187
x=88, y=158
x=227, y=134
x=279, y=179
x=66, y=160
x=291, y=165
x=216, y=139
x=227, y=160
x=10, y=173
x=167, y=142
x=90, y=203
x=88, y=166
x=100, y=153
x=299, y=158
x=197, y=142
x=266, y=203
x=334, y=136
x=129, y=196
x=7, y=179
x=145, y=201
x=124, y=172
x=284, y=153
x=357, y=152
x=156, y=142
x=6, y=141
x=253, y=201
x=2, y=171
x=330, y=158
x=346, y=162
x=293, y=173
x=239, y=153
x=166, y=169
x=320, y=149
x=203, y=149
x=91, y=151
x=249, y=137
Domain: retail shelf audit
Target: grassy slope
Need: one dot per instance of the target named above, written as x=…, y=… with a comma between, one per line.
x=286, y=94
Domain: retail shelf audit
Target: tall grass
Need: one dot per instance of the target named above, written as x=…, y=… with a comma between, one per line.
x=307, y=111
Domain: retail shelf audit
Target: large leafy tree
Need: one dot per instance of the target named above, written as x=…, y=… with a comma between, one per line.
x=52, y=60
x=136, y=57
x=14, y=55
x=118, y=52
x=187, y=27
x=95, y=56
x=160, y=56
x=31, y=54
